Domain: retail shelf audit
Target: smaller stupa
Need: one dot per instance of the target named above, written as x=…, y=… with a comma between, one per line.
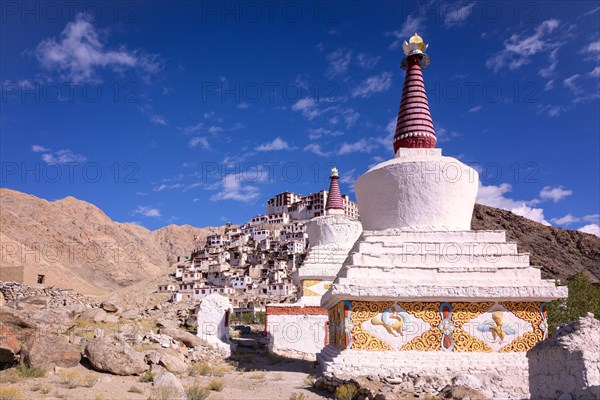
x=300, y=330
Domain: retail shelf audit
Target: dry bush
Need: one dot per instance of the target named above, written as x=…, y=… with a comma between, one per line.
x=164, y=393
x=146, y=377
x=40, y=387
x=72, y=379
x=346, y=392
x=135, y=389
x=11, y=393
x=297, y=396
x=197, y=392
x=216, y=385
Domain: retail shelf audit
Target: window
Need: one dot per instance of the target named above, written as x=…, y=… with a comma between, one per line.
x=41, y=279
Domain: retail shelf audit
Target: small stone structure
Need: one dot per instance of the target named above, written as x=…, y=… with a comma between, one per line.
x=213, y=322
x=299, y=330
x=567, y=366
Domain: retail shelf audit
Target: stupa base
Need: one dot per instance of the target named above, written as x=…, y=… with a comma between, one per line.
x=499, y=375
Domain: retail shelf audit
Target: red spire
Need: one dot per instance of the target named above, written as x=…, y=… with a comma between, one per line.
x=414, y=127
x=334, y=205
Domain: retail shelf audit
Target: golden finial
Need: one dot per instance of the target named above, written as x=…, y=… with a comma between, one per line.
x=334, y=172
x=415, y=45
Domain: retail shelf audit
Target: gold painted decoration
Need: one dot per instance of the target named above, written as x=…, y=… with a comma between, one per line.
x=361, y=312
x=306, y=284
x=428, y=312
x=462, y=313
x=529, y=312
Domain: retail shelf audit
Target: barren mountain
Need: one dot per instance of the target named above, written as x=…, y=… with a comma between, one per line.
x=74, y=245
x=559, y=252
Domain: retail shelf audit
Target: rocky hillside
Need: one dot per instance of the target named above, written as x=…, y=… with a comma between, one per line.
x=81, y=248
x=86, y=251
x=559, y=252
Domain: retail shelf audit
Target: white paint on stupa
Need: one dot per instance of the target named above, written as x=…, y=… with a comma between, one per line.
x=213, y=322
x=301, y=333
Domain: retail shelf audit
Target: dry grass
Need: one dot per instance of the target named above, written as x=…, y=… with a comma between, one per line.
x=11, y=393
x=258, y=375
x=297, y=396
x=346, y=392
x=164, y=393
x=135, y=389
x=195, y=391
x=310, y=380
x=72, y=379
x=278, y=377
x=146, y=377
x=40, y=388
x=216, y=385
x=205, y=369
x=19, y=373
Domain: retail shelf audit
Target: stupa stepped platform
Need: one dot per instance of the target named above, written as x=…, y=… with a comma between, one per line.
x=398, y=236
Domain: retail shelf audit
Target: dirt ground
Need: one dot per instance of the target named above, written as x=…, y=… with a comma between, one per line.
x=250, y=374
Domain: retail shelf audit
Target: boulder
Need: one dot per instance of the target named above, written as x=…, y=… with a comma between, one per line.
x=111, y=318
x=188, y=339
x=109, y=307
x=95, y=314
x=461, y=392
x=152, y=357
x=117, y=357
x=173, y=363
x=49, y=351
x=166, y=379
x=15, y=328
x=130, y=314
x=50, y=321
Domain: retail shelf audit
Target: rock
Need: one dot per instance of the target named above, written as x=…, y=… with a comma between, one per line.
x=461, y=393
x=95, y=314
x=112, y=355
x=109, y=307
x=167, y=379
x=130, y=314
x=173, y=364
x=565, y=396
x=34, y=301
x=469, y=381
x=50, y=321
x=46, y=352
x=106, y=379
x=111, y=318
x=15, y=328
x=166, y=323
x=152, y=357
x=188, y=339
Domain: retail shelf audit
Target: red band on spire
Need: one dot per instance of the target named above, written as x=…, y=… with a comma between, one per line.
x=414, y=127
x=334, y=198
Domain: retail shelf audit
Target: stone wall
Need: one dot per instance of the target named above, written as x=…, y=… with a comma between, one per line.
x=15, y=292
x=296, y=331
x=567, y=366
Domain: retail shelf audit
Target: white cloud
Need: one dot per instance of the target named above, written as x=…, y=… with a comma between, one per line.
x=349, y=177
x=308, y=107
x=243, y=106
x=79, y=53
x=475, y=109
x=158, y=120
x=518, y=49
x=550, y=70
x=570, y=219
x=549, y=85
x=199, y=141
x=316, y=149
x=593, y=229
x=232, y=188
x=456, y=16
x=339, y=62
x=374, y=84
x=593, y=47
x=275, y=145
x=147, y=211
x=410, y=26
x=167, y=187
x=193, y=128
x=494, y=196
x=316, y=133
x=361, y=146
x=554, y=193
x=595, y=73
x=36, y=148
x=572, y=85
x=366, y=61
x=63, y=157
x=214, y=129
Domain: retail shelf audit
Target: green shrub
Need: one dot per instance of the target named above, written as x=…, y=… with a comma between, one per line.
x=583, y=298
x=26, y=372
x=346, y=392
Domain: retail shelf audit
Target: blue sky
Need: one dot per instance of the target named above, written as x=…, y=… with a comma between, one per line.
x=183, y=112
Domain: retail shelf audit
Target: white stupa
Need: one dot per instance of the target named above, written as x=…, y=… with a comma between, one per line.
x=300, y=330
x=420, y=292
